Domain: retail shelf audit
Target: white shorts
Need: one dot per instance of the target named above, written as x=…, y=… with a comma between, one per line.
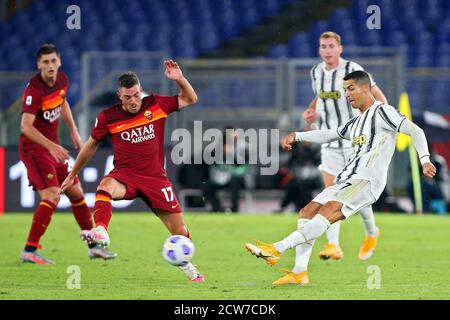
x=354, y=194
x=334, y=160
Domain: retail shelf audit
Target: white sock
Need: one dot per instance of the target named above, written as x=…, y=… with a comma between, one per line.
x=302, y=251
x=333, y=233
x=368, y=219
x=312, y=229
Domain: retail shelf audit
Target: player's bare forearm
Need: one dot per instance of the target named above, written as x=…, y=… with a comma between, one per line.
x=378, y=94
x=86, y=153
x=187, y=95
x=30, y=131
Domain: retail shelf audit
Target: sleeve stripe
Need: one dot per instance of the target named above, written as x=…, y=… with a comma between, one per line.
x=386, y=119
x=344, y=130
x=313, y=73
x=398, y=128
x=313, y=76
x=339, y=134
x=347, y=65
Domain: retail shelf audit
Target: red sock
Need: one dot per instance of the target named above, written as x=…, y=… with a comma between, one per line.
x=82, y=214
x=102, y=208
x=41, y=220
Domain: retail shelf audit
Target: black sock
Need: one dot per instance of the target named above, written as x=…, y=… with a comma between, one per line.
x=30, y=248
x=92, y=245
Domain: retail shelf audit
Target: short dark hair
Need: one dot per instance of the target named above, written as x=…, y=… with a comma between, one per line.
x=360, y=77
x=47, y=48
x=128, y=80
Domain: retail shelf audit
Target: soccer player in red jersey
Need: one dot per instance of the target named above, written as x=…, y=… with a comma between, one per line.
x=44, y=101
x=136, y=127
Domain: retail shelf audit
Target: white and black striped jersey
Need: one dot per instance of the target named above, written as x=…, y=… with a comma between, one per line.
x=332, y=106
x=373, y=135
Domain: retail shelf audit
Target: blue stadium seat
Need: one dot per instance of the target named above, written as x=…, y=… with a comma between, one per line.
x=317, y=29
x=207, y=39
x=423, y=60
x=298, y=39
x=395, y=39
x=278, y=51
x=190, y=27
x=268, y=7
x=443, y=61
x=298, y=46
x=370, y=37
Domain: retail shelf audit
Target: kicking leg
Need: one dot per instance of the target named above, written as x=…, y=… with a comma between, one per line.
x=174, y=222
x=299, y=273
x=329, y=213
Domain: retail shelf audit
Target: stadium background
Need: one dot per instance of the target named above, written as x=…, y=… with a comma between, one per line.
x=248, y=60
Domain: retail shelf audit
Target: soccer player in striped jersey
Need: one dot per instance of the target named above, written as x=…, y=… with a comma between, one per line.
x=46, y=161
x=360, y=183
x=330, y=109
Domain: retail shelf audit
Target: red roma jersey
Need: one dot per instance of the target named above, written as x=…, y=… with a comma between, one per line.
x=45, y=103
x=137, y=139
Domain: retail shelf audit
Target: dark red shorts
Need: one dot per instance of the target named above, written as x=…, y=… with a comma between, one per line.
x=43, y=171
x=157, y=192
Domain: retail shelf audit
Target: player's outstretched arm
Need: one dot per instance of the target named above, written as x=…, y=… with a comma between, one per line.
x=68, y=119
x=85, y=154
x=314, y=136
x=318, y=136
x=187, y=95
x=29, y=130
x=420, y=143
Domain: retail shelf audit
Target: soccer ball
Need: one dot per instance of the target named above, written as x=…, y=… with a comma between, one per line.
x=178, y=250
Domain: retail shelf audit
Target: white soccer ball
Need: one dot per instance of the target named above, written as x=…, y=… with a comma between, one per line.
x=178, y=250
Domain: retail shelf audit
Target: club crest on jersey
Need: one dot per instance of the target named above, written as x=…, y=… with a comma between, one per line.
x=330, y=95
x=148, y=114
x=359, y=140
x=62, y=93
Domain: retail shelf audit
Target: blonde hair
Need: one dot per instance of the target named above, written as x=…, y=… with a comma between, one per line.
x=331, y=34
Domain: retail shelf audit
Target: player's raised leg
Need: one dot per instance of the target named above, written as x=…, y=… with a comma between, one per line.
x=174, y=222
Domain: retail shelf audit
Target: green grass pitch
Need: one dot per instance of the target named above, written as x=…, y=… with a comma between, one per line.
x=413, y=256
